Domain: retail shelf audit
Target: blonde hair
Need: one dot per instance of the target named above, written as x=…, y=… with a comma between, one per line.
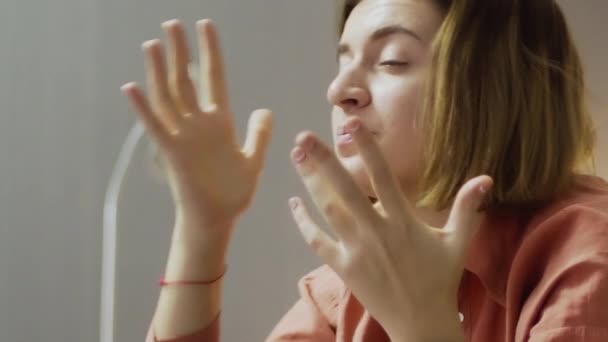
x=505, y=97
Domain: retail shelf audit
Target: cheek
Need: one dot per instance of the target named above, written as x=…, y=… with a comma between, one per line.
x=399, y=109
x=400, y=136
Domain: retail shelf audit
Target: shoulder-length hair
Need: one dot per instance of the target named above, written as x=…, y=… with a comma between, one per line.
x=505, y=97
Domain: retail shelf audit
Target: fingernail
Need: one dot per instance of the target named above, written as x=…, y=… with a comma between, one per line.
x=293, y=203
x=202, y=22
x=168, y=23
x=148, y=44
x=486, y=186
x=352, y=126
x=298, y=154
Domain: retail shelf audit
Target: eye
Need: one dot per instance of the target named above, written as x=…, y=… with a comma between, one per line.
x=394, y=63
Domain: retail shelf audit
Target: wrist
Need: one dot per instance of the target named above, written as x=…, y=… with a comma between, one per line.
x=201, y=234
x=202, y=218
x=164, y=282
x=197, y=252
x=187, y=263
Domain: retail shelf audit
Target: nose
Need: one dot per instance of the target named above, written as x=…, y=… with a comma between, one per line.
x=349, y=91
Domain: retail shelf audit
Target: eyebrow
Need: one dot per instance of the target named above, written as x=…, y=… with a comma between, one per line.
x=380, y=33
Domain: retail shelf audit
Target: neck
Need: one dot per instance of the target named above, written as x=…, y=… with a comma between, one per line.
x=430, y=216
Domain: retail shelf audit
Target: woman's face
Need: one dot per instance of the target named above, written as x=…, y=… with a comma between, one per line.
x=383, y=57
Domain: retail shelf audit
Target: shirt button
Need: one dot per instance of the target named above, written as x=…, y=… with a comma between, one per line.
x=461, y=316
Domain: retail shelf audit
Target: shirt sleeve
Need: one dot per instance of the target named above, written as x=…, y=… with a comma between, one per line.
x=209, y=334
x=313, y=317
x=576, y=304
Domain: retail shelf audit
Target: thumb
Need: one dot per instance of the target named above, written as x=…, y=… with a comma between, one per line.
x=259, y=131
x=465, y=217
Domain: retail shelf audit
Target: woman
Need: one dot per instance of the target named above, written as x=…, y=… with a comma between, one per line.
x=456, y=189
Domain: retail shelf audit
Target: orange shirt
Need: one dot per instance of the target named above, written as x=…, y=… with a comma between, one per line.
x=539, y=278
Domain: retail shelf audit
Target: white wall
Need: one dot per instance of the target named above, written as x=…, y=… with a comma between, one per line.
x=588, y=20
x=63, y=120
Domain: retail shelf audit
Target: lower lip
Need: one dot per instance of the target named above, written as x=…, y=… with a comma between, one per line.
x=345, y=139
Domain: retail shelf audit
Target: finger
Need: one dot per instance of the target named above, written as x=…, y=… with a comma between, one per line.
x=195, y=75
x=331, y=187
x=158, y=88
x=383, y=180
x=335, y=211
x=213, y=81
x=465, y=217
x=151, y=121
x=326, y=247
x=259, y=132
x=181, y=85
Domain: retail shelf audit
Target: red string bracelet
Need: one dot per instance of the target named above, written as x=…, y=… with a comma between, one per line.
x=164, y=282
